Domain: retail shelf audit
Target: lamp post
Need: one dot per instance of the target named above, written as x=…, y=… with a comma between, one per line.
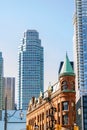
x=6, y=114
x=5, y=118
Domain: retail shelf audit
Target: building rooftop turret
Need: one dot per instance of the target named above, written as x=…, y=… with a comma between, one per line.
x=67, y=68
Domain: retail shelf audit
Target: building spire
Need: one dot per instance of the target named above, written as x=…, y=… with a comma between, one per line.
x=66, y=68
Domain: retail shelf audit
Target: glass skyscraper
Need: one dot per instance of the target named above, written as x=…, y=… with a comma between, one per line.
x=1, y=84
x=31, y=68
x=80, y=54
x=80, y=44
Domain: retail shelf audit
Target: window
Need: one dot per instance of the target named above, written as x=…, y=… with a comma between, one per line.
x=65, y=119
x=47, y=113
x=65, y=106
x=59, y=119
x=51, y=110
x=73, y=85
x=42, y=116
x=64, y=85
x=59, y=107
x=42, y=126
x=38, y=118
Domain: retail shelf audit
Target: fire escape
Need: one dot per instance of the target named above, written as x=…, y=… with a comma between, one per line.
x=51, y=119
x=50, y=113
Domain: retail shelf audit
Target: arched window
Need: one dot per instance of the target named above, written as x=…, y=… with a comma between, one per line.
x=64, y=85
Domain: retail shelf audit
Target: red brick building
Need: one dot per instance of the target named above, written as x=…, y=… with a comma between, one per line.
x=55, y=108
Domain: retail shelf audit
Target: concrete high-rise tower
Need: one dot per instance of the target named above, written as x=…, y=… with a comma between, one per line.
x=31, y=68
x=9, y=91
x=80, y=57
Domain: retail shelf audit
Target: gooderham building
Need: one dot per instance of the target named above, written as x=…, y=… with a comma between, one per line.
x=55, y=108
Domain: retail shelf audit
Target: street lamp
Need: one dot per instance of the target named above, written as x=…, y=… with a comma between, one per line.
x=79, y=111
x=6, y=114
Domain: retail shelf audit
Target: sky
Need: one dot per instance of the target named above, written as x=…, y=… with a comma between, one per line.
x=53, y=19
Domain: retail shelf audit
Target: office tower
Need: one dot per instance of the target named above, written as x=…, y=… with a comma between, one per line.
x=80, y=56
x=80, y=45
x=1, y=81
x=9, y=91
x=1, y=84
x=31, y=68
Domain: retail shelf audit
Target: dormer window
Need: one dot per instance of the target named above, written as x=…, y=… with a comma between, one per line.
x=64, y=85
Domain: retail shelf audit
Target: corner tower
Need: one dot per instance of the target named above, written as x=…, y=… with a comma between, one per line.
x=66, y=102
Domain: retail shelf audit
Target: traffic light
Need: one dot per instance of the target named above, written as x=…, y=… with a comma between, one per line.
x=76, y=128
x=58, y=127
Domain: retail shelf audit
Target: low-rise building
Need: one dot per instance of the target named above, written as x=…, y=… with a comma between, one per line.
x=55, y=108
